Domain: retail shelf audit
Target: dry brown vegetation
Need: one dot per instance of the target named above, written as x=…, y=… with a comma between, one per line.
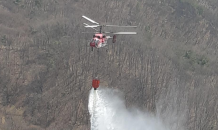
x=46, y=67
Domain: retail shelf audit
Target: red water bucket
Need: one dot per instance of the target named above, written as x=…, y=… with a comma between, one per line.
x=95, y=83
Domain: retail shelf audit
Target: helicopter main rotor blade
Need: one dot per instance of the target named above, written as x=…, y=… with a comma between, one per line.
x=90, y=27
x=121, y=26
x=89, y=19
x=125, y=33
x=90, y=32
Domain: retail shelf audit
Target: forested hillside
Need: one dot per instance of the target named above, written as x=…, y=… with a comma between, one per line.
x=46, y=67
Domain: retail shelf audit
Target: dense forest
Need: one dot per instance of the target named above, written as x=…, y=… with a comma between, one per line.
x=46, y=66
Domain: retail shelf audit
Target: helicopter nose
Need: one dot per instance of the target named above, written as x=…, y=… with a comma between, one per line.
x=94, y=42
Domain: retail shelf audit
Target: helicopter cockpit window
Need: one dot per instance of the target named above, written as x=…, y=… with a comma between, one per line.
x=98, y=37
x=93, y=40
x=103, y=36
x=96, y=42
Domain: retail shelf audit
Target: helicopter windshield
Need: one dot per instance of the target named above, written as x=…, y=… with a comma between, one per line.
x=96, y=41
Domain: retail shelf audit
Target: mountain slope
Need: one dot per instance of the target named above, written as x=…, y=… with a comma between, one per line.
x=47, y=68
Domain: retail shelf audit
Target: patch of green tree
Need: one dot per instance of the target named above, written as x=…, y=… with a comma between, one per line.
x=38, y=3
x=16, y=2
x=3, y=39
x=199, y=9
x=193, y=58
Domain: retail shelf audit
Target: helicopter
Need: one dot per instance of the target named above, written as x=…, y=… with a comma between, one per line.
x=100, y=38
